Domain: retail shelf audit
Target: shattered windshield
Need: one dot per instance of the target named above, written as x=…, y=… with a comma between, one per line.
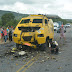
x=37, y=21
x=29, y=29
x=25, y=21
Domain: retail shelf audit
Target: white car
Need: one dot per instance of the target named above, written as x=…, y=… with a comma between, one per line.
x=55, y=25
x=67, y=25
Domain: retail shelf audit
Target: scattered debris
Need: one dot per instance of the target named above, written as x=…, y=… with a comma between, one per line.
x=22, y=53
x=59, y=67
x=44, y=52
x=47, y=57
x=53, y=57
x=59, y=52
x=56, y=60
x=32, y=56
x=42, y=60
x=14, y=49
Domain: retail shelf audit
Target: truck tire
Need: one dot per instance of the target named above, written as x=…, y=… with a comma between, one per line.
x=24, y=47
x=43, y=47
x=47, y=42
x=18, y=46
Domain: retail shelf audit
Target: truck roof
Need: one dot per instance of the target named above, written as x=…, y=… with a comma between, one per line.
x=35, y=16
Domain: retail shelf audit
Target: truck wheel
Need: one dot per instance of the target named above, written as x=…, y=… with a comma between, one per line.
x=47, y=42
x=43, y=47
x=18, y=46
x=24, y=47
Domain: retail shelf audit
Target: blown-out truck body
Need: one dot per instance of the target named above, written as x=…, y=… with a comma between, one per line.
x=34, y=31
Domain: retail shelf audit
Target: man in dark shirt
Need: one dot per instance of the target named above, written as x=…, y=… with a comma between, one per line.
x=10, y=34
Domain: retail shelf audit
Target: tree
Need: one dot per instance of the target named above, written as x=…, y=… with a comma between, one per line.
x=12, y=23
x=0, y=23
x=7, y=17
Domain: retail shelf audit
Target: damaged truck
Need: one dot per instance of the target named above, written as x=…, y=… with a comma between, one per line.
x=34, y=31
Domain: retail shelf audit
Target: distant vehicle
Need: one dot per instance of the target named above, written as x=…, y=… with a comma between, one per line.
x=58, y=29
x=67, y=25
x=56, y=25
x=60, y=23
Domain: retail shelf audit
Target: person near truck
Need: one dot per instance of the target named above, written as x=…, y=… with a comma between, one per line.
x=62, y=32
x=5, y=34
x=10, y=34
x=53, y=46
x=2, y=34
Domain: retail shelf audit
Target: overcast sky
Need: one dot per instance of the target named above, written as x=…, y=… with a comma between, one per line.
x=62, y=8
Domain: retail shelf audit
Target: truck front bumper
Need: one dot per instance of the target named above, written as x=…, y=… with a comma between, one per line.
x=28, y=44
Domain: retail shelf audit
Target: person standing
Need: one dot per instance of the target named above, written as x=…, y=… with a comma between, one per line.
x=62, y=32
x=10, y=34
x=2, y=34
x=5, y=34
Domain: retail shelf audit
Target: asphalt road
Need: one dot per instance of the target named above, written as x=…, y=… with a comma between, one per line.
x=38, y=61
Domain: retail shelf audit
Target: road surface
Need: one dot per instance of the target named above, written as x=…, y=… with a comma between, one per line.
x=38, y=61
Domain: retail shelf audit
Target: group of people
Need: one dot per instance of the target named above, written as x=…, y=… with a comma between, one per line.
x=6, y=33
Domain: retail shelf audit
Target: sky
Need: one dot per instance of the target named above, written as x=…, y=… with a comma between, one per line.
x=62, y=8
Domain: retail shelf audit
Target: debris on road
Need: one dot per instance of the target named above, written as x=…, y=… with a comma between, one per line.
x=14, y=49
x=22, y=53
x=56, y=60
x=59, y=52
x=59, y=67
x=53, y=57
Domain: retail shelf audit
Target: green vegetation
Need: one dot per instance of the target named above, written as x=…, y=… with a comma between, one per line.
x=10, y=18
x=7, y=17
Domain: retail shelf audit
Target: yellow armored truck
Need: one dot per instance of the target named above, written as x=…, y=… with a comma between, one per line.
x=34, y=31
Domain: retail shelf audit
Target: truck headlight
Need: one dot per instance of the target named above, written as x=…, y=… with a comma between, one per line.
x=15, y=35
x=40, y=35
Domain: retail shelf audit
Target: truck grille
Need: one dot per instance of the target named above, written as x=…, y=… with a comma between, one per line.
x=27, y=38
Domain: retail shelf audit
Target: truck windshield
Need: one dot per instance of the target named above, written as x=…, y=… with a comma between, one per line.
x=25, y=21
x=37, y=21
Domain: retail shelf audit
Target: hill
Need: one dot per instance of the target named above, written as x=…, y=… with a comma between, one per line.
x=17, y=15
